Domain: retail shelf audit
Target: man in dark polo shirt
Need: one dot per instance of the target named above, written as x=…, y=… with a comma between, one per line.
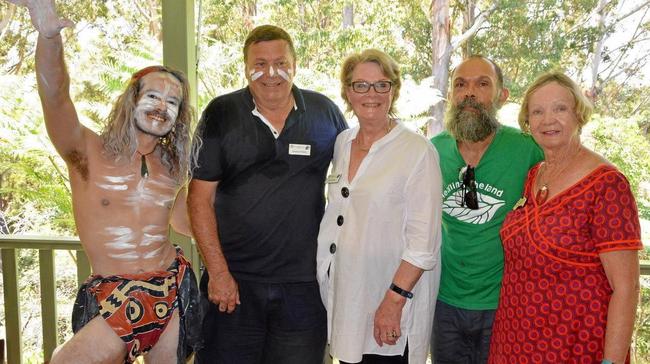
x=256, y=200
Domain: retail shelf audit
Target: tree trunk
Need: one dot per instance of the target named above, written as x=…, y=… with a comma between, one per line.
x=155, y=22
x=469, y=17
x=5, y=18
x=249, y=11
x=598, y=51
x=348, y=16
x=441, y=55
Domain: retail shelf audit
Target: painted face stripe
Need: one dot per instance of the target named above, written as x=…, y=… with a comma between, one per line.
x=285, y=75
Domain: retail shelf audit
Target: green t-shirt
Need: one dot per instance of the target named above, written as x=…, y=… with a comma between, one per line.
x=472, y=255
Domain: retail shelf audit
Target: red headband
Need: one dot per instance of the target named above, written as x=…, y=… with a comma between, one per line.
x=147, y=70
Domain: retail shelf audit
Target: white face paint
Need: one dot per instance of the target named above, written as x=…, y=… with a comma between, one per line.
x=158, y=104
x=271, y=71
x=255, y=75
x=288, y=75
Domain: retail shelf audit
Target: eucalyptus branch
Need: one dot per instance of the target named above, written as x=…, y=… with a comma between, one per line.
x=142, y=11
x=6, y=18
x=62, y=176
x=585, y=19
x=72, y=256
x=633, y=11
x=641, y=103
x=482, y=18
x=623, y=53
x=631, y=42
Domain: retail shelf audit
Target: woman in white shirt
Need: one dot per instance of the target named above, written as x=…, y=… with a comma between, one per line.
x=379, y=242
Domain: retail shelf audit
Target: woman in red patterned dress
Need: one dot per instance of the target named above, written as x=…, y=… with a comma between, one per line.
x=571, y=276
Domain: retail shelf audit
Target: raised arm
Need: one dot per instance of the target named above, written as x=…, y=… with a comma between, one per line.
x=63, y=127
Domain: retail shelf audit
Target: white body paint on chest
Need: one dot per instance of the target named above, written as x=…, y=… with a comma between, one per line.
x=152, y=192
x=153, y=234
x=123, y=237
x=115, y=183
x=124, y=256
x=154, y=253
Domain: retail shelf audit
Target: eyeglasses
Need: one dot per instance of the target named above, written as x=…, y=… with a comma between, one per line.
x=469, y=196
x=362, y=87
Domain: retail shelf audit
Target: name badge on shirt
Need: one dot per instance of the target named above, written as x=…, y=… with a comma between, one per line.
x=333, y=178
x=300, y=149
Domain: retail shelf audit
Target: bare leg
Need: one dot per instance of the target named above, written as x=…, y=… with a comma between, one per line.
x=165, y=349
x=94, y=343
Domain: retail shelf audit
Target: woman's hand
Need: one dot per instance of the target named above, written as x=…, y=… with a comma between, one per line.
x=387, y=319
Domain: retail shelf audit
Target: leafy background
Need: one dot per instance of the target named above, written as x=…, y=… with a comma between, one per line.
x=602, y=44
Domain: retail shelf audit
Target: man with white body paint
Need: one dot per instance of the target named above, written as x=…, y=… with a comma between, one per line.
x=256, y=200
x=142, y=296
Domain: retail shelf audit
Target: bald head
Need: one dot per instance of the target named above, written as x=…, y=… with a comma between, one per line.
x=480, y=79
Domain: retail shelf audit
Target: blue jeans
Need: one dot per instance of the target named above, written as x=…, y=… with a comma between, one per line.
x=461, y=336
x=275, y=323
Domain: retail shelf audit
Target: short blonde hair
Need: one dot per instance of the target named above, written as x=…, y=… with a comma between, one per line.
x=385, y=62
x=583, y=108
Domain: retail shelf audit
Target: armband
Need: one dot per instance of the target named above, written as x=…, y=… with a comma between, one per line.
x=401, y=292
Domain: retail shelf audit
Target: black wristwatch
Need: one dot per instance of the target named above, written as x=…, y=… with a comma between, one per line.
x=401, y=292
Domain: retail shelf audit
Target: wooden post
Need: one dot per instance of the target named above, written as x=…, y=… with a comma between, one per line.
x=179, y=40
x=48, y=301
x=12, y=307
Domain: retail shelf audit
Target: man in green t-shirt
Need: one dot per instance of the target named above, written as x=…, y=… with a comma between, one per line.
x=484, y=165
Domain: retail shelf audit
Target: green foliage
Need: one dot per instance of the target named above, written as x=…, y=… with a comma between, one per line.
x=532, y=37
x=31, y=185
x=620, y=141
x=641, y=336
x=114, y=38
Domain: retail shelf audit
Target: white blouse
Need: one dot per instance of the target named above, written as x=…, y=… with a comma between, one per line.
x=390, y=212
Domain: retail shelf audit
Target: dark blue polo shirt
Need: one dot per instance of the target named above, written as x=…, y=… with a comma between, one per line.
x=270, y=197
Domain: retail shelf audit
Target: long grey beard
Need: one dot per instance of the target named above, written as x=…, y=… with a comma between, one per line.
x=469, y=126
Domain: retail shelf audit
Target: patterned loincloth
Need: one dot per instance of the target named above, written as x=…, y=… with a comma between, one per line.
x=138, y=306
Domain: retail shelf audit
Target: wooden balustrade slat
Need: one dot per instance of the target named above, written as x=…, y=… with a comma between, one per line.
x=12, y=307
x=48, y=301
x=83, y=267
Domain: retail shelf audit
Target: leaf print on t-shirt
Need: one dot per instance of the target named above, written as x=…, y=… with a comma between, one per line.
x=487, y=208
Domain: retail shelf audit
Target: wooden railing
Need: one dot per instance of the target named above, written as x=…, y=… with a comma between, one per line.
x=9, y=244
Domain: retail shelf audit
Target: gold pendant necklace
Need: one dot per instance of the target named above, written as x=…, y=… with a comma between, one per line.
x=542, y=193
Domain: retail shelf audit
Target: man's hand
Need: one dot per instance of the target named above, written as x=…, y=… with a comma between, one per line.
x=223, y=291
x=44, y=17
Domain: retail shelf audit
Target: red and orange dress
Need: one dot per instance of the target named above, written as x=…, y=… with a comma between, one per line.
x=555, y=295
